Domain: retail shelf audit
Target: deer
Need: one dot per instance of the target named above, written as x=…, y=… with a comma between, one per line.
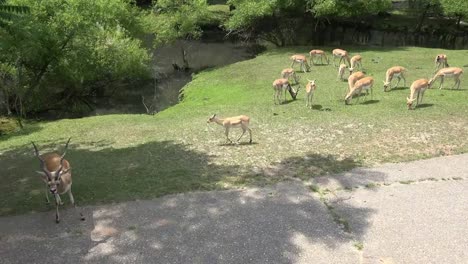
x=417, y=88
x=341, y=71
x=365, y=83
x=353, y=78
x=56, y=173
x=454, y=72
x=280, y=85
x=395, y=71
x=342, y=54
x=318, y=54
x=356, y=61
x=289, y=72
x=310, y=90
x=241, y=121
x=302, y=60
x=440, y=60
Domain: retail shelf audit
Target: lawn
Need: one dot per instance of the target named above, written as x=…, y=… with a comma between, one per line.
x=124, y=157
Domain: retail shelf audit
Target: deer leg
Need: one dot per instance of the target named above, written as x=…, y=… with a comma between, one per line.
x=226, y=132
x=311, y=99
x=57, y=217
x=334, y=60
x=72, y=200
x=47, y=194
x=459, y=81
x=243, y=132
x=441, y=82
x=250, y=134
x=422, y=95
x=292, y=64
x=59, y=200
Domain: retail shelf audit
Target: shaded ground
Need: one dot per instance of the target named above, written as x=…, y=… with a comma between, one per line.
x=397, y=213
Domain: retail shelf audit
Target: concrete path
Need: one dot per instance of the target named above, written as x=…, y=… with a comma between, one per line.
x=398, y=213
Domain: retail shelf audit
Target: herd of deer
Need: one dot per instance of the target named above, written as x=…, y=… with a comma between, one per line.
x=56, y=171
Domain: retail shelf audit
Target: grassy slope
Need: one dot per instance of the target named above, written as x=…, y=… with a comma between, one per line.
x=121, y=157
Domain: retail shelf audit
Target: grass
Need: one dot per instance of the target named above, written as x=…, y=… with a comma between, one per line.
x=123, y=157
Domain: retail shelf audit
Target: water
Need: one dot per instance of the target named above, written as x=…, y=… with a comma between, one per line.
x=164, y=92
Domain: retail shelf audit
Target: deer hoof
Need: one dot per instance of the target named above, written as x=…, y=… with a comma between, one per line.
x=57, y=221
x=82, y=218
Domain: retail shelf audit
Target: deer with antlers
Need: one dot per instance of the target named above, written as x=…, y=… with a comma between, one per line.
x=302, y=60
x=453, y=72
x=417, y=88
x=356, y=61
x=440, y=61
x=318, y=54
x=310, y=90
x=395, y=71
x=342, y=54
x=283, y=85
x=56, y=173
x=365, y=84
x=288, y=73
x=241, y=121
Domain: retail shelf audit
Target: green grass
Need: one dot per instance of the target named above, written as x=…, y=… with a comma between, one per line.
x=124, y=157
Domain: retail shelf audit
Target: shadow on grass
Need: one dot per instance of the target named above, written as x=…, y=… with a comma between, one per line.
x=368, y=102
x=262, y=223
x=398, y=89
x=240, y=144
x=29, y=128
x=425, y=105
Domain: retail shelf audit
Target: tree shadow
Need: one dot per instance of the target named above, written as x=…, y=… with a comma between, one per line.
x=28, y=128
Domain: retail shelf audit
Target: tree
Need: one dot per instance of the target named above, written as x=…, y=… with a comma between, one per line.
x=456, y=8
x=8, y=11
x=66, y=51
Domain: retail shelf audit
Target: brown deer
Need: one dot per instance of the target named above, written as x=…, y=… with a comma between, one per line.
x=241, y=121
x=318, y=54
x=395, y=71
x=56, y=173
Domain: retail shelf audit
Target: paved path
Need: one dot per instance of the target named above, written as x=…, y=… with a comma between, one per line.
x=397, y=213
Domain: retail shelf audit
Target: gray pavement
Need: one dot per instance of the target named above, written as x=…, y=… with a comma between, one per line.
x=394, y=222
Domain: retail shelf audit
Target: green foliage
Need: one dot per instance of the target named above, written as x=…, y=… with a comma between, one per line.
x=65, y=49
x=455, y=7
x=7, y=12
x=180, y=19
x=342, y=8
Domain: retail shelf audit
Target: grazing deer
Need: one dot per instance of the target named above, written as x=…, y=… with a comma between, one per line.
x=440, y=60
x=454, y=72
x=395, y=71
x=342, y=54
x=353, y=78
x=356, y=61
x=341, y=71
x=365, y=83
x=302, y=60
x=241, y=121
x=280, y=85
x=318, y=54
x=310, y=90
x=418, y=87
x=56, y=173
x=289, y=72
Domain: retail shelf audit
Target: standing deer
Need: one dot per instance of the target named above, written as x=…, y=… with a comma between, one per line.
x=356, y=61
x=318, y=54
x=241, y=121
x=418, y=88
x=342, y=54
x=395, y=71
x=365, y=83
x=310, y=90
x=302, y=60
x=440, y=60
x=454, y=72
x=56, y=173
x=280, y=85
x=289, y=72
